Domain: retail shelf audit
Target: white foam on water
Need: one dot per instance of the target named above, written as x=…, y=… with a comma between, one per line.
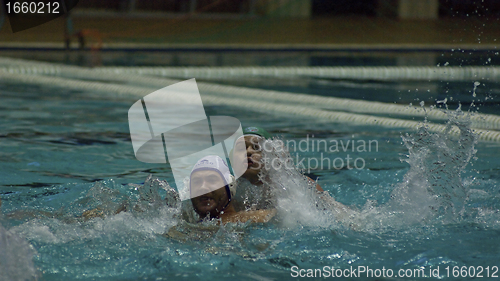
x=145, y=217
x=432, y=190
x=295, y=196
x=16, y=257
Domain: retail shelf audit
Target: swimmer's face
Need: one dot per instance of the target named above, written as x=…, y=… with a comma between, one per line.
x=247, y=156
x=208, y=193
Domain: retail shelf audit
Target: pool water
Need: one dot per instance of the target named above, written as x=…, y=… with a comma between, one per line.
x=423, y=200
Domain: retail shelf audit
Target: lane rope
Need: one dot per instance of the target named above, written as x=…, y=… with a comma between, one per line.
x=478, y=120
x=382, y=73
x=127, y=91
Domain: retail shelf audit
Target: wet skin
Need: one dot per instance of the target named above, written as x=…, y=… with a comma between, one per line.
x=211, y=199
x=248, y=152
x=208, y=193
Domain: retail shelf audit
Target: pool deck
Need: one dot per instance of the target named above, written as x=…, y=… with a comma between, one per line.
x=368, y=33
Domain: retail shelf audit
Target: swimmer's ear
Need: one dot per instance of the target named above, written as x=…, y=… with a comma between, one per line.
x=232, y=185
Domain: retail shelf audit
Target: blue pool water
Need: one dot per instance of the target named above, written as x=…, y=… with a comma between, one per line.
x=65, y=152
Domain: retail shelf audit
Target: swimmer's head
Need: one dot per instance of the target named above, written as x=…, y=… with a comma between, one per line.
x=248, y=153
x=211, y=186
x=258, y=131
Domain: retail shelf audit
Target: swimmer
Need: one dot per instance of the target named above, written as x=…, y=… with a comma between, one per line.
x=212, y=189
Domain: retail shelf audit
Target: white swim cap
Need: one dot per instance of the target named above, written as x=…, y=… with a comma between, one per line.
x=215, y=163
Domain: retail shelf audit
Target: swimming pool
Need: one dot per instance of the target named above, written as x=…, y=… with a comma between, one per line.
x=58, y=142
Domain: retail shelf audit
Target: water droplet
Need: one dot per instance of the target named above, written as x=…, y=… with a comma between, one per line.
x=475, y=87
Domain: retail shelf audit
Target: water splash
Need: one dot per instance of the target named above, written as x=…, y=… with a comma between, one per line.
x=150, y=199
x=432, y=191
x=433, y=186
x=16, y=258
x=106, y=210
x=294, y=195
x=476, y=84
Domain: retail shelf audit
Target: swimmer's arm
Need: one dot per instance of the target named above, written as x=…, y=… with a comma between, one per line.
x=257, y=216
